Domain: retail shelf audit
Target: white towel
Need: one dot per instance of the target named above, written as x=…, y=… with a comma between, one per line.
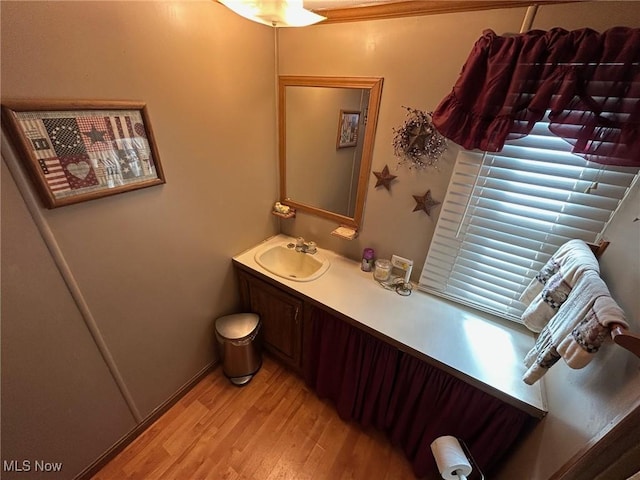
x=544, y=353
x=552, y=285
x=548, y=270
x=578, y=348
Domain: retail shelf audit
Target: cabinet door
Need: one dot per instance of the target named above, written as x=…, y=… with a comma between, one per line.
x=281, y=316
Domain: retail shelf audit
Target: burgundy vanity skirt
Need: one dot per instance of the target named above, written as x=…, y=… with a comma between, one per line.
x=377, y=385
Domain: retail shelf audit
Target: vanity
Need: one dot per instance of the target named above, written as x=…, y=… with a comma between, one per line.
x=404, y=362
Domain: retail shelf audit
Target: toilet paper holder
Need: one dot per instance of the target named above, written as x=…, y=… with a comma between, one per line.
x=476, y=473
x=448, y=452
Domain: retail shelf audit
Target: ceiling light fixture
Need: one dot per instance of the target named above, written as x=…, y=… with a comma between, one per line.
x=274, y=13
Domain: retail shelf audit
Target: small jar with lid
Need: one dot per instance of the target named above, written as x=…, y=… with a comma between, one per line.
x=382, y=270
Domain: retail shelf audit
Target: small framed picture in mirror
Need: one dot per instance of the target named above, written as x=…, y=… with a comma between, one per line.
x=348, y=125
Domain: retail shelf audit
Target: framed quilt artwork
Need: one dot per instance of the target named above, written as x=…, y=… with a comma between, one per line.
x=348, y=123
x=78, y=151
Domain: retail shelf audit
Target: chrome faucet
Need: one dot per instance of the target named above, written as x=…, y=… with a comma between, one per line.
x=305, y=247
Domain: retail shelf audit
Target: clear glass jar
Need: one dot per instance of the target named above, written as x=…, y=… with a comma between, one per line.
x=382, y=270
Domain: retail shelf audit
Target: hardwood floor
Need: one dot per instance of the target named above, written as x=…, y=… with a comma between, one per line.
x=274, y=428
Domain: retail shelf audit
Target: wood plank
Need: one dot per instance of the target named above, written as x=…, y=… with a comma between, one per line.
x=273, y=428
x=377, y=11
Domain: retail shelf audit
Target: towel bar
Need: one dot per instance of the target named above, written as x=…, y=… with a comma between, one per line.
x=620, y=335
x=623, y=337
x=598, y=248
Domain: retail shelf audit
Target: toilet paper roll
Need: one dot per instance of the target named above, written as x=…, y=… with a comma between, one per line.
x=450, y=458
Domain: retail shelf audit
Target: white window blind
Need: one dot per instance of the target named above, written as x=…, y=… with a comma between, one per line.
x=506, y=213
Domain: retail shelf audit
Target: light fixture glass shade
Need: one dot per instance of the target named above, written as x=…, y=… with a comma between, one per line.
x=275, y=13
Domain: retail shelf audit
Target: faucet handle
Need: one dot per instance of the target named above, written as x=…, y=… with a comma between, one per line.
x=311, y=247
x=299, y=242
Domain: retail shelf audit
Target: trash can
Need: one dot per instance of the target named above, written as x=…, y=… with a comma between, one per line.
x=239, y=349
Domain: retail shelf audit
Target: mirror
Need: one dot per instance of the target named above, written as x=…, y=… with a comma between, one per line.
x=326, y=129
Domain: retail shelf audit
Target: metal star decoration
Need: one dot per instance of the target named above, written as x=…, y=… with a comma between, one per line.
x=418, y=137
x=425, y=202
x=417, y=143
x=384, y=178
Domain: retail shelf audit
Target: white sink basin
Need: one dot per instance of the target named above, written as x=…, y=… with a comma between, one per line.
x=283, y=260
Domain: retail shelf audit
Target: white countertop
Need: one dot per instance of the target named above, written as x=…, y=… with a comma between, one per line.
x=485, y=351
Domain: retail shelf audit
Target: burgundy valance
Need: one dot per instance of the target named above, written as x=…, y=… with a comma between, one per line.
x=589, y=81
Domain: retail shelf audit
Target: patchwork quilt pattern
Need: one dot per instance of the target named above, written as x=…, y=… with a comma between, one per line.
x=88, y=150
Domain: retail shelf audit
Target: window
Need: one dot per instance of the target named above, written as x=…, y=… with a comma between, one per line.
x=506, y=213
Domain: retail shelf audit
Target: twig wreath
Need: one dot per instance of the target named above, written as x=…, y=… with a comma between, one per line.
x=417, y=142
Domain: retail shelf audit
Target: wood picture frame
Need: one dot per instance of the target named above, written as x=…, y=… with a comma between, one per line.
x=76, y=151
x=348, y=126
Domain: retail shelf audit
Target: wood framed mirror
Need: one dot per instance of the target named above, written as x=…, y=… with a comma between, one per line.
x=326, y=130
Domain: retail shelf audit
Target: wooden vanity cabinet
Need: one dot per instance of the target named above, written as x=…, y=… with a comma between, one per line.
x=281, y=316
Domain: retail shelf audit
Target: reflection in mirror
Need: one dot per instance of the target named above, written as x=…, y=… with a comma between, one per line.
x=326, y=133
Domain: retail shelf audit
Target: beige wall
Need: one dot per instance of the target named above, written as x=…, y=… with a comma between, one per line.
x=55, y=383
x=152, y=265
x=420, y=58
